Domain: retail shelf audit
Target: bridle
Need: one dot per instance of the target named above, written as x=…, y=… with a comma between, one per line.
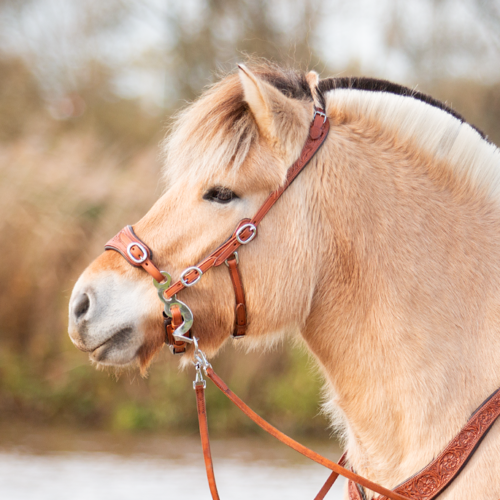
x=178, y=320
x=138, y=254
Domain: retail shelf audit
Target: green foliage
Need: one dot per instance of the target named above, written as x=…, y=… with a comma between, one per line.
x=57, y=394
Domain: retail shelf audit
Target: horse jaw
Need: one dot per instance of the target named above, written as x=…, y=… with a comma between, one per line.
x=110, y=316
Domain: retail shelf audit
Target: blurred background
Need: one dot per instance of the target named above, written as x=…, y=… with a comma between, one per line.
x=86, y=91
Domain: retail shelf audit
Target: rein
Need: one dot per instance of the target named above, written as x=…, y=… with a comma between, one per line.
x=178, y=320
x=428, y=484
x=337, y=469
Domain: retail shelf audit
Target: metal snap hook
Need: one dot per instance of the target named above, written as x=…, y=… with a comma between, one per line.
x=199, y=380
x=200, y=358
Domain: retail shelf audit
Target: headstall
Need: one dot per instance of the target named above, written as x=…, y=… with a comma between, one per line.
x=178, y=320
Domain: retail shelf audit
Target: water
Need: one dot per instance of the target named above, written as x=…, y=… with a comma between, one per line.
x=103, y=467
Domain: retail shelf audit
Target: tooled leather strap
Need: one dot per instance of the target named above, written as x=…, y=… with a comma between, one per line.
x=135, y=251
x=295, y=445
x=240, y=313
x=439, y=474
x=247, y=228
x=354, y=493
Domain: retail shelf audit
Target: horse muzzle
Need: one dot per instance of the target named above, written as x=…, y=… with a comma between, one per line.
x=105, y=314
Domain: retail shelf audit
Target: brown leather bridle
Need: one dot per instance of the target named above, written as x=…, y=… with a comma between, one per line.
x=178, y=319
x=138, y=254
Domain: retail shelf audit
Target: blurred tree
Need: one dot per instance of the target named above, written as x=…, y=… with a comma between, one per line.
x=20, y=98
x=225, y=30
x=70, y=182
x=451, y=50
x=440, y=39
x=186, y=41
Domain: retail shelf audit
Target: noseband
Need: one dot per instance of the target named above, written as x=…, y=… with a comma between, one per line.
x=178, y=320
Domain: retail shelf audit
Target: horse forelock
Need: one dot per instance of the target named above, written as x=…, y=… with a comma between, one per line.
x=215, y=134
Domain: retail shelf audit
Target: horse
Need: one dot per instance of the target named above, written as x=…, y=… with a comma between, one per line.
x=383, y=255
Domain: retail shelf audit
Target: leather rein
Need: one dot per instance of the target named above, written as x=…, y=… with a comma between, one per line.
x=178, y=320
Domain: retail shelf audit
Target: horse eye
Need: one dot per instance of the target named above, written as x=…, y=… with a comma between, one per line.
x=219, y=195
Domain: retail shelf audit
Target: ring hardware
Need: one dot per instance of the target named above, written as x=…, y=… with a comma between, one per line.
x=236, y=256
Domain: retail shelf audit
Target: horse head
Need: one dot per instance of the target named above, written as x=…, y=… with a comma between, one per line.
x=225, y=154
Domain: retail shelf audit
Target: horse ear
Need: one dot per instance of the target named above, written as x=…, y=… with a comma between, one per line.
x=313, y=80
x=283, y=121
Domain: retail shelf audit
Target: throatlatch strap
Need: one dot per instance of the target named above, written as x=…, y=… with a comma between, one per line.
x=286, y=440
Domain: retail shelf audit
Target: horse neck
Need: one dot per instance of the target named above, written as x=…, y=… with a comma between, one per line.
x=406, y=316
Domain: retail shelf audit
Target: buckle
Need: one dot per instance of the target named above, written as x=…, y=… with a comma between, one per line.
x=140, y=260
x=250, y=238
x=187, y=271
x=320, y=113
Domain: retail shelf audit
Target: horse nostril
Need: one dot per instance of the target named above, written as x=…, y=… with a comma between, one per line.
x=81, y=306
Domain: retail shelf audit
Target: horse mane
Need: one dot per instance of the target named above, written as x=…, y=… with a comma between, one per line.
x=460, y=150
x=376, y=85
x=216, y=132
